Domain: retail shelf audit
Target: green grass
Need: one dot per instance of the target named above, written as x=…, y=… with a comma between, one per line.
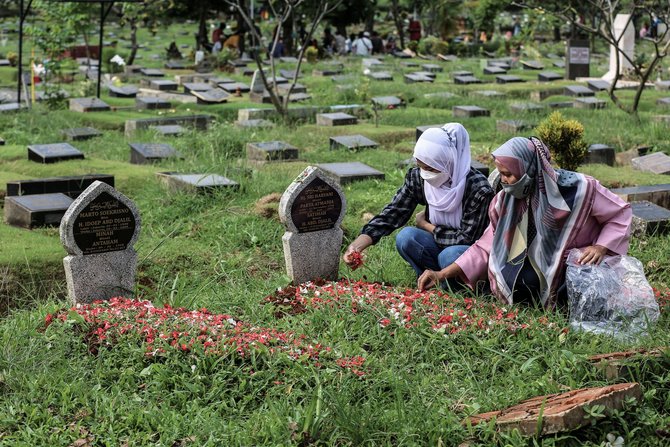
x=216, y=251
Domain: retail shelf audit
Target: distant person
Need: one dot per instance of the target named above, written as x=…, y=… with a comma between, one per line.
x=362, y=46
x=328, y=42
x=516, y=26
x=233, y=42
x=390, y=46
x=377, y=43
x=644, y=31
x=219, y=33
x=414, y=30
x=340, y=44
x=350, y=43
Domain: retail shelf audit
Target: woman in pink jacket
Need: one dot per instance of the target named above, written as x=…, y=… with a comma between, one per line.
x=540, y=215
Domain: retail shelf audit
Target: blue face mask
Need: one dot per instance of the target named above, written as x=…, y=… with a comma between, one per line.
x=520, y=189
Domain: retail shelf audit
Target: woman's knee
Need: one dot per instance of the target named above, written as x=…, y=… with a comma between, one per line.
x=405, y=238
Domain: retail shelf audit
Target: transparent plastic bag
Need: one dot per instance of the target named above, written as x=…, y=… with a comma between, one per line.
x=612, y=298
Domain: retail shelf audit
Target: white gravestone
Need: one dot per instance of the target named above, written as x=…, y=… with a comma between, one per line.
x=312, y=208
x=98, y=231
x=257, y=85
x=625, y=32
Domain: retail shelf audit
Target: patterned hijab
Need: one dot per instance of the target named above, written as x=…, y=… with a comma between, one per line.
x=538, y=227
x=446, y=149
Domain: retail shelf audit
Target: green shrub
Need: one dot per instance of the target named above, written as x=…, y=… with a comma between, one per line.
x=312, y=55
x=13, y=58
x=565, y=140
x=107, y=54
x=433, y=45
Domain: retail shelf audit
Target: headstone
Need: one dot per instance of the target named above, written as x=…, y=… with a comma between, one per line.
x=205, y=183
x=254, y=124
x=411, y=78
x=164, y=85
x=532, y=65
x=271, y=151
x=433, y=68
x=505, y=64
x=421, y=129
x=507, y=79
x=352, y=142
x=494, y=70
x=289, y=59
x=335, y=119
x=548, y=76
x=656, y=163
x=312, y=209
x=465, y=80
x=561, y=105
x=169, y=130
x=597, y=85
x=85, y=105
x=458, y=73
x=37, y=210
x=541, y=95
x=297, y=88
x=662, y=85
x=664, y=102
x=555, y=413
x=387, y=102
x=526, y=107
x=512, y=126
x=80, y=133
x=99, y=231
x=213, y=96
x=590, y=103
x=578, y=90
x=349, y=172
x=656, y=194
x=409, y=64
x=144, y=153
x=152, y=72
x=257, y=85
x=624, y=34
x=151, y=103
x=10, y=107
x=381, y=76
x=289, y=74
x=71, y=186
x=218, y=80
x=650, y=219
x=175, y=65
x=235, y=87
x=469, y=111
x=577, y=59
x=601, y=153
x=52, y=153
x=558, y=64
x=126, y=91
x=198, y=121
x=190, y=87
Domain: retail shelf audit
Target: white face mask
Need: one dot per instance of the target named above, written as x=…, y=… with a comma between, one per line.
x=435, y=179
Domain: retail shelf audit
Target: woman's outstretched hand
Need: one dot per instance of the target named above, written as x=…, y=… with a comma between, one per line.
x=428, y=279
x=593, y=254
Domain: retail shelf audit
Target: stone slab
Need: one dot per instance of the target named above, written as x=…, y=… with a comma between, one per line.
x=271, y=151
x=590, y=103
x=541, y=95
x=465, y=80
x=656, y=163
x=215, y=81
x=86, y=105
x=626, y=364
x=10, y=107
x=190, y=87
x=412, y=78
x=352, y=142
x=144, y=153
x=169, y=130
x=601, y=153
x=80, y=133
x=578, y=90
x=508, y=79
x=421, y=129
x=289, y=59
x=494, y=70
x=126, y=91
x=526, y=107
x=335, y=119
x=349, y=172
x=458, y=73
x=202, y=183
x=597, y=85
x=152, y=72
x=254, y=124
x=151, y=103
x=175, y=65
x=381, y=75
x=212, y=96
x=512, y=126
x=297, y=88
x=198, y=121
x=71, y=186
x=469, y=111
x=650, y=219
x=433, y=68
x=558, y=64
x=555, y=413
x=532, y=65
x=561, y=104
x=235, y=87
x=326, y=71
x=656, y=194
x=664, y=102
x=52, y=153
x=662, y=85
x=163, y=85
x=289, y=74
x=549, y=76
x=388, y=102
x=38, y=210
x=171, y=96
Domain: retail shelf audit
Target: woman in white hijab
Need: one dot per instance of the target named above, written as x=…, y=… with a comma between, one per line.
x=456, y=197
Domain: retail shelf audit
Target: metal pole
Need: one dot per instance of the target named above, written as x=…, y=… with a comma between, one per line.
x=18, y=84
x=102, y=27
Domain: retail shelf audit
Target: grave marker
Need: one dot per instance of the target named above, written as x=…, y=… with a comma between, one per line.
x=590, y=103
x=601, y=153
x=335, y=119
x=169, y=130
x=151, y=103
x=548, y=76
x=469, y=111
x=489, y=93
x=52, y=153
x=212, y=96
x=312, y=209
x=254, y=123
x=381, y=76
x=152, y=72
x=578, y=90
x=577, y=59
x=190, y=87
x=512, y=126
x=69, y=185
x=163, y=85
x=597, y=85
x=98, y=231
x=126, y=91
x=656, y=194
x=37, y=210
x=650, y=219
x=234, y=87
x=507, y=79
x=421, y=129
x=352, y=142
x=80, y=133
x=433, y=68
x=387, y=102
x=349, y=172
x=271, y=151
x=656, y=163
x=85, y=105
x=144, y=153
x=526, y=107
x=494, y=70
x=200, y=183
x=624, y=35
x=465, y=80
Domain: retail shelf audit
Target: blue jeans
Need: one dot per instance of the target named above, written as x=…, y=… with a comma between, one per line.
x=419, y=249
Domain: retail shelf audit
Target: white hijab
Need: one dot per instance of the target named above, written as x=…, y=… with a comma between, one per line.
x=446, y=149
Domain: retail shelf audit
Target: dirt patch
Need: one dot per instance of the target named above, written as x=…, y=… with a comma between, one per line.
x=268, y=206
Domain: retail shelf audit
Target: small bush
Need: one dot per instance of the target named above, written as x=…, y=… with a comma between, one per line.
x=433, y=45
x=565, y=140
x=13, y=58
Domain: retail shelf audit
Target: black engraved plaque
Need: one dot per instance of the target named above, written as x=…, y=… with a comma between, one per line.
x=316, y=208
x=106, y=224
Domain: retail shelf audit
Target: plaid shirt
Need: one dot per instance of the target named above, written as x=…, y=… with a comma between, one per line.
x=476, y=198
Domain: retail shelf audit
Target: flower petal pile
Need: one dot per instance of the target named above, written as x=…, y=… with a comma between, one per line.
x=405, y=307
x=164, y=329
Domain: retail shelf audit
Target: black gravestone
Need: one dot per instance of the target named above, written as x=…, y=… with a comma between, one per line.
x=317, y=207
x=469, y=111
x=36, y=210
x=507, y=79
x=151, y=103
x=106, y=224
x=578, y=90
x=52, y=153
x=143, y=153
x=152, y=72
x=466, y=80
x=601, y=153
x=69, y=185
x=421, y=129
x=352, y=142
x=494, y=70
x=206, y=183
x=271, y=151
x=81, y=133
x=234, y=87
x=126, y=91
x=578, y=59
x=349, y=172
x=653, y=218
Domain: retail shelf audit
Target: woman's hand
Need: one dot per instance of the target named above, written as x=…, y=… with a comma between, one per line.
x=422, y=223
x=428, y=279
x=593, y=255
x=362, y=242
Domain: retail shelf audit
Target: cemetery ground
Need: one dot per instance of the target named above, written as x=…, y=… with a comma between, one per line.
x=348, y=363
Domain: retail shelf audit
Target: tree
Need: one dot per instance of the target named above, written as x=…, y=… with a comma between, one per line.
x=132, y=14
x=283, y=11
x=602, y=14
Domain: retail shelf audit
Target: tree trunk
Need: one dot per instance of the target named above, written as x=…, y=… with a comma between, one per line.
x=133, y=41
x=287, y=35
x=202, y=25
x=395, y=10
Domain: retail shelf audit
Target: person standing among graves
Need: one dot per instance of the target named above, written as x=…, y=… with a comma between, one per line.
x=219, y=34
x=414, y=30
x=540, y=215
x=362, y=46
x=456, y=197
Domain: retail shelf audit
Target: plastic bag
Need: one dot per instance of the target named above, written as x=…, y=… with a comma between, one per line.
x=612, y=298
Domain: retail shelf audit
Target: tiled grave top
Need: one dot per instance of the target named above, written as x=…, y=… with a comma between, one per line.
x=433, y=68
x=470, y=111
x=88, y=105
x=43, y=202
x=352, y=142
x=126, y=91
x=578, y=90
x=174, y=129
x=234, y=87
x=196, y=87
x=271, y=150
x=335, y=119
x=49, y=153
x=163, y=84
x=505, y=79
x=215, y=95
x=351, y=171
x=197, y=181
x=548, y=76
x=494, y=70
x=532, y=65
x=598, y=85
x=657, y=163
x=81, y=133
x=152, y=72
x=466, y=80
x=154, y=150
x=461, y=73
x=387, y=101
